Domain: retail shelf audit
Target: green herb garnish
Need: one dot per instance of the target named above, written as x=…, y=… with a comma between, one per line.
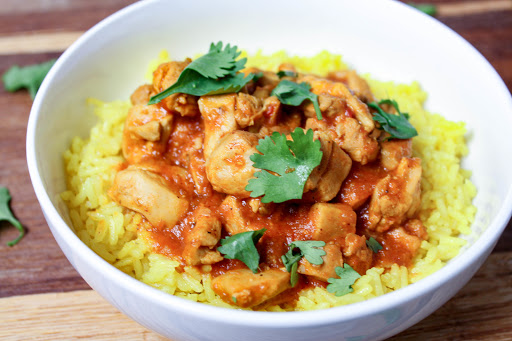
x=343, y=285
x=429, y=9
x=397, y=126
x=311, y=249
x=374, y=245
x=294, y=94
x=29, y=77
x=214, y=73
x=282, y=74
x=242, y=246
x=292, y=161
x=6, y=214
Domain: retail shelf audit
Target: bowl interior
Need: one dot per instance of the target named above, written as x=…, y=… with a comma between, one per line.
x=384, y=38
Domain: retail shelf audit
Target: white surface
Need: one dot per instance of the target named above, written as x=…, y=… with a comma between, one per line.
x=385, y=38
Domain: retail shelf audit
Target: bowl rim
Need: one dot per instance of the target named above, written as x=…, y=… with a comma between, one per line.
x=298, y=319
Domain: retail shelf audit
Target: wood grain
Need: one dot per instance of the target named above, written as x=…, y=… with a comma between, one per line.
x=84, y=314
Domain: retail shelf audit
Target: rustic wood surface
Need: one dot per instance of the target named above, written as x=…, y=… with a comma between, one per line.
x=36, y=30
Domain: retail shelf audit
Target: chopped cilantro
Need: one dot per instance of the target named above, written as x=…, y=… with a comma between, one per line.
x=374, y=245
x=6, y=214
x=29, y=77
x=233, y=298
x=311, y=249
x=242, y=246
x=292, y=161
x=291, y=93
x=397, y=126
x=213, y=73
x=343, y=285
x=282, y=74
x=429, y=9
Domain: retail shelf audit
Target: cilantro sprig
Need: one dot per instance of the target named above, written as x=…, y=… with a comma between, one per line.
x=343, y=285
x=285, y=73
x=291, y=93
x=311, y=249
x=6, y=214
x=374, y=245
x=216, y=72
x=398, y=126
x=292, y=161
x=429, y=9
x=29, y=77
x=242, y=246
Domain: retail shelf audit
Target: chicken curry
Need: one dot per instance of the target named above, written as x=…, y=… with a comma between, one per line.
x=195, y=170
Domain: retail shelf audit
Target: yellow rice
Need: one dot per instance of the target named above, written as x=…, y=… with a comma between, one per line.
x=114, y=233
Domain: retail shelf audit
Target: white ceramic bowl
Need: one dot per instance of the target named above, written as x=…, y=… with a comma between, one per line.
x=386, y=38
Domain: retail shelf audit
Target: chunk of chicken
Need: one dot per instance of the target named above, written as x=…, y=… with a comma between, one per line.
x=325, y=180
x=202, y=239
x=337, y=89
x=396, y=197
x=332, y=222
x=357, y=254
x=392, y=152
x=351, y=137
x=326, y=270
x=246, y=289
x=146, y=131
x=330, y=106
x=416, y=228
x=355, y=83
x=229, y=167
x=223, y=114
x=238, y=216
x=149, y=194
x=142, y=94
x=166, y=75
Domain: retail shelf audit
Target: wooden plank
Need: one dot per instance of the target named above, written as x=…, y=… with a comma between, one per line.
x=35, y=42
x=476, y=7
x=472, y=314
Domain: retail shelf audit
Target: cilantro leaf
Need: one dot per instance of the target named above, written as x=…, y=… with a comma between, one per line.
x=29, y=77
x=343, y=285
x=294, y=94
x=309, y=249
x=242, y=246
x=293, y=161
x=396, y=125
x=6, y=214
x=213, y=73
x=429, y=9
x=374, y=245
x=282, y=74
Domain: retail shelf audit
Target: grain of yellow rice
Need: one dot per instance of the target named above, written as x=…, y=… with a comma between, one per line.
x=113, y=233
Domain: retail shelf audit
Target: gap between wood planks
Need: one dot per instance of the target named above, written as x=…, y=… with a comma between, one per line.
x=43, y=42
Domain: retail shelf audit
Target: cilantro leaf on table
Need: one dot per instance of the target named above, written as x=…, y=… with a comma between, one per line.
x=374, y=245
x=6, y=214
x=429, y=9
x=211, y=74
x=29, y=77
x=343, y=285
x=311, y=249
x=242, y=246
x=291, y=93
x=292, y=161
x=397, y=126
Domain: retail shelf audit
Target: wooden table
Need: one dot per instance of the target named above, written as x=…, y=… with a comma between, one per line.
x=43, y=298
